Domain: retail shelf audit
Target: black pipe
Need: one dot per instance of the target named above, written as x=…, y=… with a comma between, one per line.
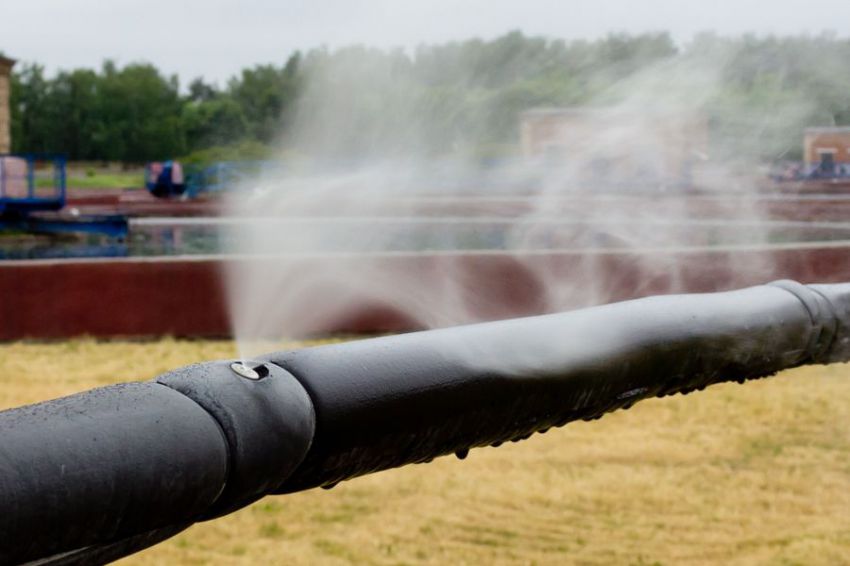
x=101, y=467
x=392, y=401
x=98, y=475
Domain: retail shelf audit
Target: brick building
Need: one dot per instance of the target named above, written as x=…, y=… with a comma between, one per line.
x=826, y=147
x=5, y=117
x=617, y=144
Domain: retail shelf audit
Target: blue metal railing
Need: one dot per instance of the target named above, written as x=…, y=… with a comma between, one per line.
x=20, y=192
x=33, y=189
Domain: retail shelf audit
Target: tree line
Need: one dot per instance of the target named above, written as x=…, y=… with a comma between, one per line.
x=758, y=94
x=135, y=113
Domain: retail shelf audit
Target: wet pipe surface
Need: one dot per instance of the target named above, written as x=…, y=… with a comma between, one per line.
x=345, y=410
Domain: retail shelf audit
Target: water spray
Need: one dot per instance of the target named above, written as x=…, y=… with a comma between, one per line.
x=99, y=475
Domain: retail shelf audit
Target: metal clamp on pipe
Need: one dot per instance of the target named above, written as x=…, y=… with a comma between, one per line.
x=98, y=475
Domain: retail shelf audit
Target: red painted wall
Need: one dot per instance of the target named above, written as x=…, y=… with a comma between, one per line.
x=58, y=299
x=186, y=297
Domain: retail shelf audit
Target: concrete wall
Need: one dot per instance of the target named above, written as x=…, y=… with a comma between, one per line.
x=5, y=117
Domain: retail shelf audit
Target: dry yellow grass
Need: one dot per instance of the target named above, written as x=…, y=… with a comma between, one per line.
x=738, y=474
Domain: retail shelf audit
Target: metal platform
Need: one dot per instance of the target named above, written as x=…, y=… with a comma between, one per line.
x=33, y=192
x=31, y=183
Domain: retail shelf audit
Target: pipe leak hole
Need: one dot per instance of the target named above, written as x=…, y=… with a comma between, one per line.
x=253, y=373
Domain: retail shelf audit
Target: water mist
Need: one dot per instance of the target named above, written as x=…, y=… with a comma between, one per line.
x=387, y=208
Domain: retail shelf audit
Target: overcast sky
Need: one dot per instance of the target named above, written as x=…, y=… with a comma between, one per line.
x=216, y=38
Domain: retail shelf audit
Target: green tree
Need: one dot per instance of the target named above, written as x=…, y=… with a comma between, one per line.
x=30, y=109
x=219, y=121
x=74, y=113
x=139, y=114
x=265, y=93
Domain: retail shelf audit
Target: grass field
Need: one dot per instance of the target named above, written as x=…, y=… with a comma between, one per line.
x=104, y=180
x=739, y=474
x=98, y=180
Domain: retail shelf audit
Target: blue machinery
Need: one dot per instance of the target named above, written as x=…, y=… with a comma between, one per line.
x=167, y=179
x=19, y=192
x=33, y=191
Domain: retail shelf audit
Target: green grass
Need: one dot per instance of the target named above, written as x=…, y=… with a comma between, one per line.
x=106, y=180
x=134, y=179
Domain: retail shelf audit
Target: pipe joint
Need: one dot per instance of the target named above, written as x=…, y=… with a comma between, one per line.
x=265, y=415
x=837, y=297
x=821, y=315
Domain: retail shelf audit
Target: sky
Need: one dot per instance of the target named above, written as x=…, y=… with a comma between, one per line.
x=216, y=38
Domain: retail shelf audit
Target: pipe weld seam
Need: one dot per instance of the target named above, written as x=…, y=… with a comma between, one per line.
x=821, y=313
x=229, y=457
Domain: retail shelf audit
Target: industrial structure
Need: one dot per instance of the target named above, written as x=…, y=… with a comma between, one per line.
x=33, y=186
x=826, y=148
x=5, y=114
x=617, y=145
